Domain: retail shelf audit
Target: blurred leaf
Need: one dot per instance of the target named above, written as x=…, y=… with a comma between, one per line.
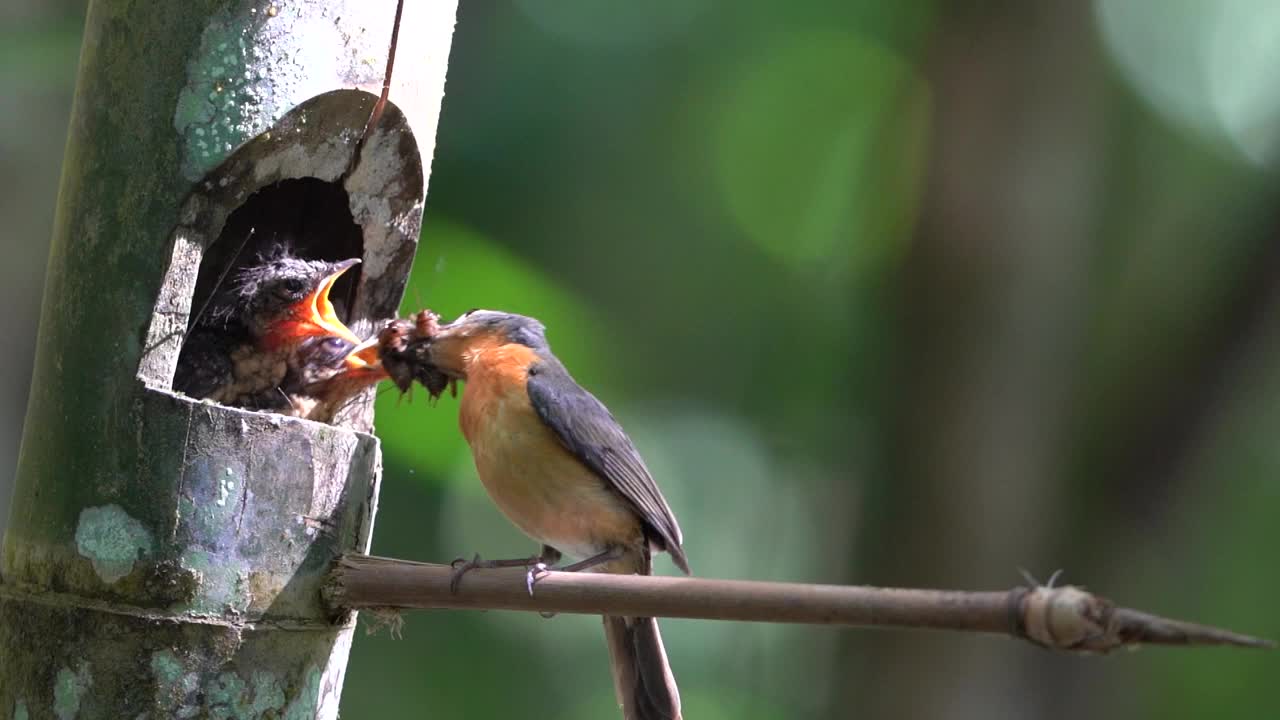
x=612, y=27
x=819, y=151
x=1207, y=67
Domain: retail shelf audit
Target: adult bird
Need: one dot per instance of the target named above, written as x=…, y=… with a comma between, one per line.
x=559, y=466
x=271, y=340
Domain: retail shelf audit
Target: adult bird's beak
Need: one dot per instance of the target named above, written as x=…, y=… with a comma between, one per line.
x=450, y=342
x=365, y=355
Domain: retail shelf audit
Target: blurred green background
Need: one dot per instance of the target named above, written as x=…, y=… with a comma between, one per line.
x=906, y=293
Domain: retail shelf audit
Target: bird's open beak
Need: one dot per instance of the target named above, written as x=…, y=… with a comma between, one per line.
x=319, y=308
x=314, y=316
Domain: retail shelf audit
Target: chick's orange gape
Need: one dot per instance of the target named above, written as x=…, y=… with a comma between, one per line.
x=556, y=463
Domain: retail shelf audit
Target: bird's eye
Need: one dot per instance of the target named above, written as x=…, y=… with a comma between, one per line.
x=291, y=287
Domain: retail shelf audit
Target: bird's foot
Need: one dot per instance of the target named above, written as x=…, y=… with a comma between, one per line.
x=536, y=571
x=462, y=566
x=541, y=568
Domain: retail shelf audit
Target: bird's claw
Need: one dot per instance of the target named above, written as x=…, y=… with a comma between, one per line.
x=463, y=561
x=461, y=566
x=535, y=573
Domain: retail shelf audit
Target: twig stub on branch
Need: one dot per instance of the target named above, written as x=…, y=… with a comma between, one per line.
x=1070, y=618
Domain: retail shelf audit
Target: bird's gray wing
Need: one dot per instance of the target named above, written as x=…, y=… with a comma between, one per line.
x=588, y=430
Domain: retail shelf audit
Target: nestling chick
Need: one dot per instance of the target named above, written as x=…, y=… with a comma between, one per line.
x=272, y=341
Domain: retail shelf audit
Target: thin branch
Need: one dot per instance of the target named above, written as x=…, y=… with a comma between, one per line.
x=381, y=104
x=1062, y=618
x=217, y=284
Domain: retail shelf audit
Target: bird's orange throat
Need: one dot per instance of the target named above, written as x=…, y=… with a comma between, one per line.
x=285, y=333
x=493, y=371
x=507, y=362
x=462, y=356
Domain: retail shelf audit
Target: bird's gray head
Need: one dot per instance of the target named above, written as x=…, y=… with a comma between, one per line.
x=504, y=327
x=453, y=346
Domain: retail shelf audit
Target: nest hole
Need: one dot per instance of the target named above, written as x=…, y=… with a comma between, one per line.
x=308, y=217
x=299, y=186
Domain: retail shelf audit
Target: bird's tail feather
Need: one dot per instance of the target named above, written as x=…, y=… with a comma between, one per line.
x=641, y=674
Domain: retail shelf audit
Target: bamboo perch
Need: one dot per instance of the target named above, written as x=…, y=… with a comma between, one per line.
x=1061, y=618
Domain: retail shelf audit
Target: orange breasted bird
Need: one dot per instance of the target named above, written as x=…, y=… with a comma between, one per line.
x=271, y=340
x=559, y=466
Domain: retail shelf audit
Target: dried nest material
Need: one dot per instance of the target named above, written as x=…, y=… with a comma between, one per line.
x=403, y=348
x=377, y=619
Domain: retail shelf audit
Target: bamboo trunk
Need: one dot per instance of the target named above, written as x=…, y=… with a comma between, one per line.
x=164, y=556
